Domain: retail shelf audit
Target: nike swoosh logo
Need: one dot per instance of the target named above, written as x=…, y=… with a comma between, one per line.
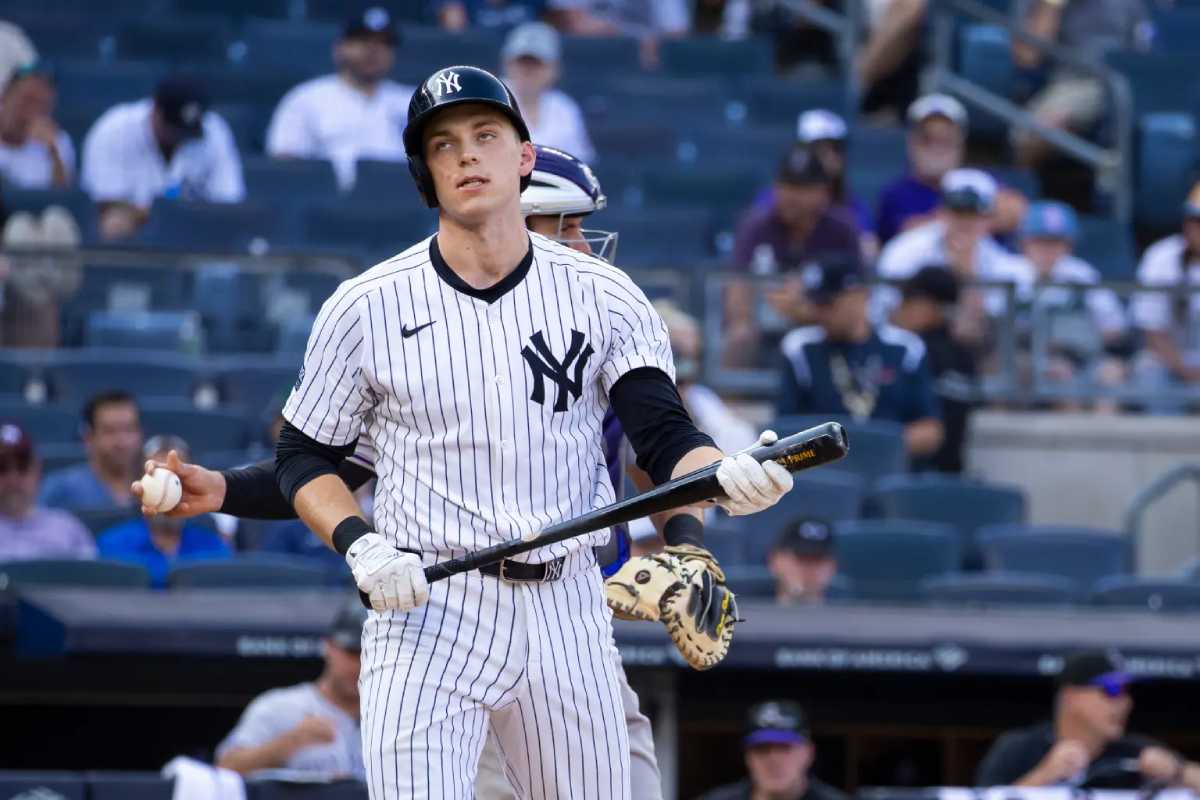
x=406, y=331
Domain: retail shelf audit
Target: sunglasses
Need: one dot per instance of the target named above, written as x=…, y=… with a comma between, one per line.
x=19, y=463
x=1113, y=686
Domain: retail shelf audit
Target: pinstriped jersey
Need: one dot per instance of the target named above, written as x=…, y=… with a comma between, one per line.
x=484, y=408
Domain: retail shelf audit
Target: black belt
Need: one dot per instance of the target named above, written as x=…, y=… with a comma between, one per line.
x=522, y=572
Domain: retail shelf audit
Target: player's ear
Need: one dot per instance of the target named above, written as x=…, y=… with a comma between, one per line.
x=528, y=158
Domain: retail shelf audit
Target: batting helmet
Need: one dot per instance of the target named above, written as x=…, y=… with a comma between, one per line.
x=448, y=87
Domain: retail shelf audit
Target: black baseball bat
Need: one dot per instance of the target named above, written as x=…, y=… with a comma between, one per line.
x=804, y=450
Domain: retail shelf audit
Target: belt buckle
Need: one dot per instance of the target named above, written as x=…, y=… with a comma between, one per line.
x=504, y=576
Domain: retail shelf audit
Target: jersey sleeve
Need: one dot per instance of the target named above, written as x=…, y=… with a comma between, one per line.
x=637, y=335
x=331, y=393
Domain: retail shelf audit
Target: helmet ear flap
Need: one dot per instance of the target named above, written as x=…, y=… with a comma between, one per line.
x=424, y=181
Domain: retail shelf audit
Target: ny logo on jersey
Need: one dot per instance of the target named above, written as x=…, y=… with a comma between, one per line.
x=543, y=365
x=446, y=83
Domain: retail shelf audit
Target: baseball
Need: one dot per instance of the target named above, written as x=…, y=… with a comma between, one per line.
x=161, y=490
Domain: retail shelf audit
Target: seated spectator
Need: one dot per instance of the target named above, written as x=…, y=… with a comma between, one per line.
x=844, y=365
x=112, y=436
x=43, y=276
x=34, y=152
x=458, y=15
x=159, y=542
x=958, y=237
x=1086, y=737
x=355, y=113
x=937, y=144
x=310, y=727
x=779, y=756
x=803, y=562
x=168, y=146
x=1164, y=317
x=532, y=65
x=649, y=22
x=927, y=309
x=28, y=530
x=1068, y=99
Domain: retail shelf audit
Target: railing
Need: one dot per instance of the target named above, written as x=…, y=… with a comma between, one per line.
x=844, y=27
x=1154, y=492
x=1113, y=164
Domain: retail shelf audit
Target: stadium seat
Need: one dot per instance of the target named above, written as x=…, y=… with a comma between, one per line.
x=711, y=144
x=46, y=424
x=725, y=191
x=298, y=48
x=593, y=55
x=385, y=184
x=1022, y=179
x=1154, y=79
x=876, y=157
x=876, y=448
x=42, y=786
x=248, y=122
x=316, y=286
x=750, y=581
x=1147, y=594
x=98, y=520
x=56, y=455
x=967, y=505
x=258, y=572
x=63, y=35
x=829, y=495
x=214, y=227
x=779, y=101
x=886, y=560
x=709, y=56
x=1166, y=151
x=723, y=537
x=642, y=142
x=286, y=790
x=37, y=200
x=1177, y=30
x=999, y=589
x=16, y=373
x=129, y=786
x=73, y=572
x=176, y=38
x=287, y=180
x=171, y=331
x=257, y=385
x=103, y=83
x=1108, y=246
x=74, y=376
x=376, y=230
x=985, y=58
x=210, y=430
x=1081, y=554
x=293, y=336
x=428, y=48
x=642, y=243
x=131, y=288
x=239, y=9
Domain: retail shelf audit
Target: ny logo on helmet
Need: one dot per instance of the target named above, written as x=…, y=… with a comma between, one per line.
x=446, y=83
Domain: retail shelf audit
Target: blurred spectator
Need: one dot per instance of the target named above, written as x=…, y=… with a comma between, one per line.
x=458, y=15
x=845, y=366
x=168, y=146
x=958, y=238
x=1087, y=739
x=803, y=562
x=779, y=754
x=356, y=113
x=927, y=308
x=34, y=152
x=26, y=529
x=937, y=142
x=532, y=63
x=310, y=727
x=112, y=435
x=646, y=21
x=889, y=63
x=1166, y=319
x=160, y=542
x=1068, y=99
x=40, y=280
x=15, y=50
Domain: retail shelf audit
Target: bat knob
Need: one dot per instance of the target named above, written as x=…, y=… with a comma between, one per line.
x=768, y=437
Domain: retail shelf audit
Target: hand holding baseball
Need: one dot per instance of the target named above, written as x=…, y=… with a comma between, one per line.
x=200, y=490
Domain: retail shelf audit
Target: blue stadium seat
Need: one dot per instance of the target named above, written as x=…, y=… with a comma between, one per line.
x=1084, y=555
x=642, y=243
x=643, y=142
x=750, y=581
x=214, y=227
x=711, y=144
x=1154, y=79
x=133, y=288
x=886, y=560
x=177, y=38
x=129, y=786
x=877, y=157
x=1177, y=30
x=999, y=589
x=985, y=58
x=317, y=286
x=63, y=35
x=293, y=336
x=210, y=430
x=428, y=48
x=1022, y=179
x=55, y=456
x=37, y=200
x=240, y=9
x=1148, y=594
x=409, y=12
x=16, y=373
x=723, y=536
x=258, y=572
x=72, y=572
x=1108, y=246
x=286, y=45
x=967, y=505
x=876, y=448
x=694, y=56
x=65, y=785
x=825, y=494
x=99, y=520
x=256, y=385
x=248, y=123
x=74, y=376
x=592, y=55
x=1166, y=154
x=103, y=83
x=46, y=424
x=726, y=191
x=779, y=101
x=385, y=184
x=235, y=85
x=171, y=331
x=232, y=302
x=376, y=230
x=287, y=180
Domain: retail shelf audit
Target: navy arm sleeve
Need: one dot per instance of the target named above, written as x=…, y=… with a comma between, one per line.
x=299, y=459
x=651, y=412
x=253, y=493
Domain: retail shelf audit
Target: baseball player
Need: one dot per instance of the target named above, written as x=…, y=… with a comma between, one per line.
x=485, y=427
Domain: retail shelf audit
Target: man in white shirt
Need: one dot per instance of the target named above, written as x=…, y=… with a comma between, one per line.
x=355, y=113
x=34, y=152
x=531, y=56
x=168, y=146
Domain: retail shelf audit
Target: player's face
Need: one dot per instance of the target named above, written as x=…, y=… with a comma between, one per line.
x=934, y=148
x=1044, y=253
x=776, y=769
x=476, y=159
x=368, y=59
x=116, y=438
x=568, y=230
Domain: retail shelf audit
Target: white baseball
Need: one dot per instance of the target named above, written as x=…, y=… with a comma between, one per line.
x=161, y=490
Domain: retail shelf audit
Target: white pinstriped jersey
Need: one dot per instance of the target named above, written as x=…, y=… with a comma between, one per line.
x=485, y=417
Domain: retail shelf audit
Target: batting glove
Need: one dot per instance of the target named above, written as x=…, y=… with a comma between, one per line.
x=751, y=486
x=390, y=578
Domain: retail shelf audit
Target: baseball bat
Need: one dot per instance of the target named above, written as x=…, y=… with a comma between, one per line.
x=800, y=451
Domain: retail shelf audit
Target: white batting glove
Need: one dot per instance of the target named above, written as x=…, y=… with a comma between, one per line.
x=752, y=486
x=392, y=579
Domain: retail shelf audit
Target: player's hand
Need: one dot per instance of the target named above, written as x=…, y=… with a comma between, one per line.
x=390, y=578
x=312, y=730
x=1160, y=765
x=751, y=486
x=1067, y=758
x=203, y=489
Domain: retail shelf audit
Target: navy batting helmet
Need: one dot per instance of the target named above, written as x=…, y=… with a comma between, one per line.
x=450, y=87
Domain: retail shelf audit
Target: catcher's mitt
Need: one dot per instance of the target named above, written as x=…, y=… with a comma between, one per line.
x=698, y=610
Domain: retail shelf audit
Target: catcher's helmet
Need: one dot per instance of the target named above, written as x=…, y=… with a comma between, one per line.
x=448, y=87
x=563, y=186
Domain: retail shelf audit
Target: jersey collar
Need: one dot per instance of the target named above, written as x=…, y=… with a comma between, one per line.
x=492, y=293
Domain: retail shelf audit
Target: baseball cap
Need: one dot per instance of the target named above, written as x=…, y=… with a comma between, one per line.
x=346, y=631
x=1050, y=220
x=534, y=40
x=937, y=105
x=164, y=443
x=819, y=125
x=1191, y=206
x=800, y=167
x=935, y=282
x=807, y=537
x=776, y=722
x=1098, y=668
x=375, y=21
x=182, y=104
x=825, y=280
x=968, y=190
x=15, y=442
